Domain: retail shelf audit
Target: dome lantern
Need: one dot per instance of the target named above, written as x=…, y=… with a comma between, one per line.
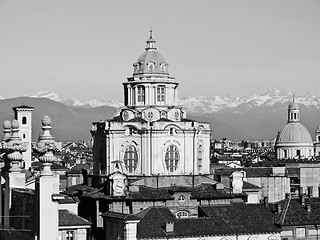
x=293, y=112
x=151, y=42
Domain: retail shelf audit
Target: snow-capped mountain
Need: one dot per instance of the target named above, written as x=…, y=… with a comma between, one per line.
x=248, y=117
x=205, y=104
x=75, y=102
x=216, y=103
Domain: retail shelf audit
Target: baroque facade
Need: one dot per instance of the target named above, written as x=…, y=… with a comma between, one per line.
x=151, y=134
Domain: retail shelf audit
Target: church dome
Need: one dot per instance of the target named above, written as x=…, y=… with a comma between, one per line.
x=294, y=132
x=151, y=61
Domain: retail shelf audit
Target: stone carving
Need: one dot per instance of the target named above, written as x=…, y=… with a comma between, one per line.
x=46, y=147
x=11, y=145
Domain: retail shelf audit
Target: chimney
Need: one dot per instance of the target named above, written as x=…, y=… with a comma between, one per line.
x=288, y=195
x=265, y=201
x=279, y=208
x=309, y=208
x=85, y=176
x=303, y=199
x=169, y=227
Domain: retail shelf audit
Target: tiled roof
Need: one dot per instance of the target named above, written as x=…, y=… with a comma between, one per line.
x=207, y=191
x=123, y=216
x=78, y=188
x=292, y=213
x=216, y=221
x=144, y=194
x=153, y=223
x=67, y=218
x=243, y=218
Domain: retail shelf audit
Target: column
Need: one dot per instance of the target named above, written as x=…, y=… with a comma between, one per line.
x=129, y=95
x=135, y=95
x=146, y=96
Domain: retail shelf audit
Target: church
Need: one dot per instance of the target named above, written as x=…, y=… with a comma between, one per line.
x=151, y=134
x=294, y=140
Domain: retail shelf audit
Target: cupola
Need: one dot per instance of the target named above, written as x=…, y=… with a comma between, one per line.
x=151, y=61
x=293, y=112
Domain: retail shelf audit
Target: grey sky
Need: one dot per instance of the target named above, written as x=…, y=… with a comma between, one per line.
x=85, y=48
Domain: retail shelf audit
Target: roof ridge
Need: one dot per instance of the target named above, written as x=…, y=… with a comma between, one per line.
x=156, y=208
x=284, y=212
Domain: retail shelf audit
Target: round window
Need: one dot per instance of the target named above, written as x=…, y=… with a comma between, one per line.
x=125, y=115
x=150, y=115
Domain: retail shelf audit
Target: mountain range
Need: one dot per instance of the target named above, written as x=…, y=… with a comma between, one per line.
x=257, y=116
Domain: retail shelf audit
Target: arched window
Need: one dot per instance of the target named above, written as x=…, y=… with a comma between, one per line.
x=181, y=200
x=172, y=158
x=199, y=157
x=182, y=214
x=24, y=120
x=172, y=131
x=130, y=159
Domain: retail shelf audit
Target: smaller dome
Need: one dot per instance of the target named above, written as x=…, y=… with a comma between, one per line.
x=294, y=132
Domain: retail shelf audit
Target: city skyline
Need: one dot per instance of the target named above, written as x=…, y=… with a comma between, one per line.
x=85, y=50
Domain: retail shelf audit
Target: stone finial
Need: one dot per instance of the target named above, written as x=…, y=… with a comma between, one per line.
x=6, y=136
x=13, y=146
x=46, y=147
x=6, y=130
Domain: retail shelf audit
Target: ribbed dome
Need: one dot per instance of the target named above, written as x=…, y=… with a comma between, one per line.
x=151, y=61
x=294, y=132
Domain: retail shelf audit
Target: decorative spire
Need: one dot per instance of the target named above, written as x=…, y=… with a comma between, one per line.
x=151, y=42
x=46, y=147
x=293, y=98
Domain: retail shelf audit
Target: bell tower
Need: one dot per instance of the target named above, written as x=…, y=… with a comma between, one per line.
x=23, y=114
